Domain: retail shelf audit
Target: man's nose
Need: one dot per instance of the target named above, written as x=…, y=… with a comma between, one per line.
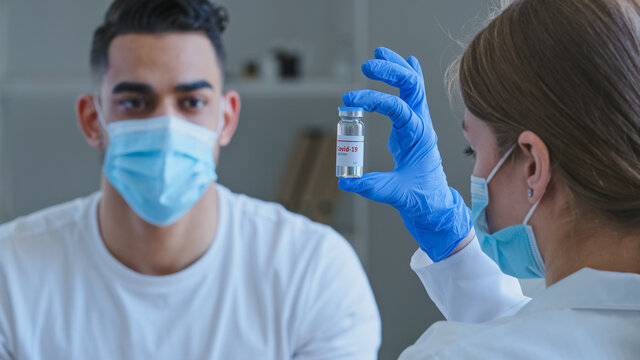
x=166, y=107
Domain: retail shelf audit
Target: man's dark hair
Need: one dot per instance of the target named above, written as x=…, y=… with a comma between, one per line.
x=154, y=17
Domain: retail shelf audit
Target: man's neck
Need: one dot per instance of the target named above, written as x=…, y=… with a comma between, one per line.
x=153, y=250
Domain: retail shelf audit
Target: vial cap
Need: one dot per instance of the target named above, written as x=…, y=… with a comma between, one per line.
x=348, y=111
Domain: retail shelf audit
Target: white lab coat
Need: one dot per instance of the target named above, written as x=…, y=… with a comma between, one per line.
x=588, y=315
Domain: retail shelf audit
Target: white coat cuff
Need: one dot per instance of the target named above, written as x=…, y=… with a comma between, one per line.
x=468, y=286
x=420, y=259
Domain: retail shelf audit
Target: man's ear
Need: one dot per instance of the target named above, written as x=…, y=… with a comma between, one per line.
x=537, y=164
x=88, y=120
x=231, y=116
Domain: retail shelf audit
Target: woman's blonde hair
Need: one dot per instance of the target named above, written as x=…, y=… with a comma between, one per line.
x=569, y=71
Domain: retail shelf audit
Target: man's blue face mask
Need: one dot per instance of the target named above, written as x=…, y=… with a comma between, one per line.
x=161, y=166
x=513, y=248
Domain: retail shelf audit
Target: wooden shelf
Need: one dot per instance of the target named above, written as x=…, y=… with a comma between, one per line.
x=49, y=88
x=297, y=89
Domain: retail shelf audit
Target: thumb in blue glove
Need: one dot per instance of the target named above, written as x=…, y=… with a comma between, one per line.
x=435, y=214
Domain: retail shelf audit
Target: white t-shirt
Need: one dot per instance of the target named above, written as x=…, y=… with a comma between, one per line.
x=273, y=285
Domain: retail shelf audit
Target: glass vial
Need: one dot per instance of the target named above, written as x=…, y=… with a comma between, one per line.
x=350, y=144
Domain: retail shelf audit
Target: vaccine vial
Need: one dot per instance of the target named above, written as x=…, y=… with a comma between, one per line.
x=350, y=144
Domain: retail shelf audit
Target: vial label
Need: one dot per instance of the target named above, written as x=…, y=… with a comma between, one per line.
x=350, y=151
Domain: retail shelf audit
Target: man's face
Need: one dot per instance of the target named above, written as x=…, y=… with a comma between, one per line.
x=153, y=75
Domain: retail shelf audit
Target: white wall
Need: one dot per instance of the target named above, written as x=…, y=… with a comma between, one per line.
x=43, y=155
x=4, y=183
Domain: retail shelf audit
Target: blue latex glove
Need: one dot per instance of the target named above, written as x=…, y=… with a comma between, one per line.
x=434, y=213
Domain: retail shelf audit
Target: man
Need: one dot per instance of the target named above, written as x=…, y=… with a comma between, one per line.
x=163, y=263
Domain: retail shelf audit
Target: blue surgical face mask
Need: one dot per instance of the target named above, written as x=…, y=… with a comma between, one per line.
x=161, y=166
x=513, y=248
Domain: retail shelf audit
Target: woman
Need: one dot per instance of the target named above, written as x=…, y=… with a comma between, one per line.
x=552, y=90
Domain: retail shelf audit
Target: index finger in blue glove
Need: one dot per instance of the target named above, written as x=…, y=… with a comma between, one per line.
x=411, y=85
x=392, y=74
x=415, y=65
x=382, y=53
x=392, y=106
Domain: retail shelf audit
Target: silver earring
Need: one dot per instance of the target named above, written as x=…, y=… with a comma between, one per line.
x=530, y=192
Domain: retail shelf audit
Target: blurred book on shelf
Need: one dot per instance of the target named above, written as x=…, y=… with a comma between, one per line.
x=309, y=185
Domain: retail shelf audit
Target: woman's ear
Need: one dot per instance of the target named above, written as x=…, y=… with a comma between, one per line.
x=88, y=120
x=537, y=164
x=231, y=116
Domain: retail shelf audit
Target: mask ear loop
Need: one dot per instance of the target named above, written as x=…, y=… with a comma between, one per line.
x=533, y=208
x=223, y=103
x=101, y=119
x=500, y=163
x=530, y=213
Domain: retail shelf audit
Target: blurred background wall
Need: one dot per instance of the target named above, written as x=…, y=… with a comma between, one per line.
x=44, y=160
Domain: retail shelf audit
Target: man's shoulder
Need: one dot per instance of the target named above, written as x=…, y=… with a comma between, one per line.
x=269, y=213
x=42, y=226
x=272, y=220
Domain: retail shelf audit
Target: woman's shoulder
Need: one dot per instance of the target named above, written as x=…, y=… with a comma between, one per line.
x=552, y=333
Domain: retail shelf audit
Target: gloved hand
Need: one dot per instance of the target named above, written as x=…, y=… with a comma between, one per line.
x=434, y=213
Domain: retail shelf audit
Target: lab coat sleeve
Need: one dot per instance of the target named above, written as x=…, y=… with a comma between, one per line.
x=339, y=312
x=468, y=286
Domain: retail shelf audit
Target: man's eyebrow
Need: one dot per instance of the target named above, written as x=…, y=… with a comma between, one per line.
x=126, y=86
x=192, y=86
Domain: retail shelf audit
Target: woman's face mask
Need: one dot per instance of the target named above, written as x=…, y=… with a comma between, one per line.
x=513, y=248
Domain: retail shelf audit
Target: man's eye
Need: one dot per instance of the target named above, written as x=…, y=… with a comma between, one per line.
x=133, y=104
x=193, y=103
x=469, y=151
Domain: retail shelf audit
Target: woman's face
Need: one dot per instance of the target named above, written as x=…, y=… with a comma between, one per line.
x=508, y=201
